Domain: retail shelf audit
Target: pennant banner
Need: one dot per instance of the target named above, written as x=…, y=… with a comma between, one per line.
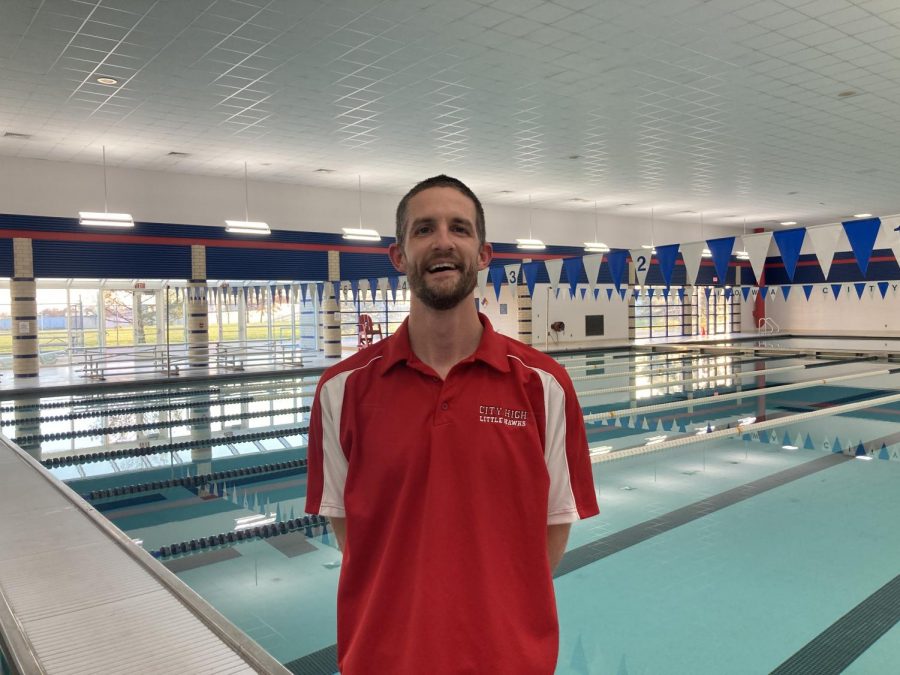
x=592, y=268
x=530, y=271
x=640, y=257
x=498, y=274
x=824, y=242
x=721, y=252
x=573, y=273
x=616, y=262
x=554, y=270
x=757, y=248
x=665, y=259
x=807, y=290
x=862, y=235
x=789, y=243
x=691, y=253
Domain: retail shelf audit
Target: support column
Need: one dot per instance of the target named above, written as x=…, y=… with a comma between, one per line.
x=198, y=310
x=629, y=298
x=523, y=304
x=22, y=291
x=331, y=310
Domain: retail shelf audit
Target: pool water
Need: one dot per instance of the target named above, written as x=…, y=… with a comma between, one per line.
x=724, y=555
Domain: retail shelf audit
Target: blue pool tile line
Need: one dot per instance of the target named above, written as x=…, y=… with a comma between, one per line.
x=839, y=645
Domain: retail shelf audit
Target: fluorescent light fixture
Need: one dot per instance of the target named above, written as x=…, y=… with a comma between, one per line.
x=105, y=219
x=649, y=247
x=601, y=450
x=744, y=421
x=789, y=222
x=246, y=227
x=742, y=255
x=530, y=244
x=595, y=247
x=652, y=440
x=862, y=215
x=865, y=457
x=706, y=253
x=789, y=447
x=360, y=234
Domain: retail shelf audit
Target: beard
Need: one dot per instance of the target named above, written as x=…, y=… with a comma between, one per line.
x=443, y=297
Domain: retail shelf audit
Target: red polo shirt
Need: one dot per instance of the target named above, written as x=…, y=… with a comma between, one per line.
x=447, y=487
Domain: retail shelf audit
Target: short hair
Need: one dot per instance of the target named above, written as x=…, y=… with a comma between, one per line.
x=440, y=181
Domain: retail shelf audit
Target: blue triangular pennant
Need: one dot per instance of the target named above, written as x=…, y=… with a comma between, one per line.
x=622, y=292
x=530, y=270
x=393, y=282
x=650, y=292
x=336, y=287
x=862, y=235
x=635, y=292
x=583, y=293
x=882, y=288
x=665, y=292
x=681, y=294
x=665, y=258
x=786, y=291
x=320, y=289
x=708, y=291
x=809, y=444
x=304, y=289
x=616, y=262
x=763, y=291
x=789, y=243
x=836, y=446
x=272, y=289
x=497, y=275
x=807, y=290
x=573, y=267
x=884, y=452
x=721, y=252
x=860, y=289
x=354, y=289
x=729, y=292
x=596, y=293
x=836, y=289
x=745, y=291
x=373, y=286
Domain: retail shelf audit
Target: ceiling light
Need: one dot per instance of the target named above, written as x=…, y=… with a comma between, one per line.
x=18, y=136
x=105, y=219
x=530, y=244
x=106, y=80
x=246, y=226
x=788, y=222
x=706, y=253
x=847, y=94
x=862, y=215
x=601, y=450
x=595, y=247
x=743, y=421
x=360, y=233
x=653, y=440
x=789, y=447
x=864, y=457
x=742, y=255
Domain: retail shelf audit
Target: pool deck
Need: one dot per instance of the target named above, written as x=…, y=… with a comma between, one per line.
x=78, y=596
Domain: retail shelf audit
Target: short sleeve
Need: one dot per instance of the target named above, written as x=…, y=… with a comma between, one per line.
x=572, y=494
x=326, y=462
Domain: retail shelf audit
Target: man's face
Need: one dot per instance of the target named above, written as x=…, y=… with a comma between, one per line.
x=441, y=254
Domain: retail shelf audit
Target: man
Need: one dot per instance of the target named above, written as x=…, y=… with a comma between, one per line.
x=451, y=462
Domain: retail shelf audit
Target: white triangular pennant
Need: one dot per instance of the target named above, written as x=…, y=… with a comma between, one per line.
x=824, y=242
x=641, y=259
x=554, y=271
x=757, y=248
x=592, y=268
x=692, y=252
x=512, y=274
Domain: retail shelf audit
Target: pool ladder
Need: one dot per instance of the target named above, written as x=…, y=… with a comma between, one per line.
x=765, y=326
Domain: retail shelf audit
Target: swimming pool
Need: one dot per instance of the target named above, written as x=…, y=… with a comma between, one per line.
x=726, y=554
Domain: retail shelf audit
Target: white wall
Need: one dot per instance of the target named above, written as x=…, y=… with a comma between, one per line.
x=848, y=315
x=47, y=188
x=571, y=311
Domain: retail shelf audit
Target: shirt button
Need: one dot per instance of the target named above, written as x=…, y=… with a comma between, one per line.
x=444, y=405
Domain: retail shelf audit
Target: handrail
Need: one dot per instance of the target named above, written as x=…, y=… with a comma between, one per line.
x=767, y=326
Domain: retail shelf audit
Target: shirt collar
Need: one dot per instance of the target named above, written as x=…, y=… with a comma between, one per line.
x=491, y=349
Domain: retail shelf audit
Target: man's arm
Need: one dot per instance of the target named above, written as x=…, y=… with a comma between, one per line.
x=339, y=527
x=557, y=536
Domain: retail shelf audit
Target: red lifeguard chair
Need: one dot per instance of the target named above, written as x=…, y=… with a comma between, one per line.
x=367, y=331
